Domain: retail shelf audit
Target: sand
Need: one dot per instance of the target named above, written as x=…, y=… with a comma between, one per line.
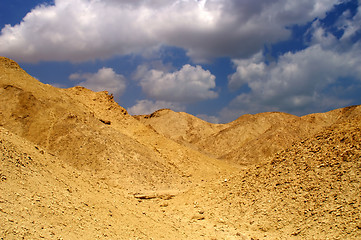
x=75, y=165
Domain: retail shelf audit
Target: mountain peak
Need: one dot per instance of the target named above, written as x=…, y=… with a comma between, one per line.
x=70, y=155
x=7, y=63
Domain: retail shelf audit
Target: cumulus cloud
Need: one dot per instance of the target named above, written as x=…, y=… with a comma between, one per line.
x=148, y=107
x=174, y=89
x=189, y=84
x=104, y=80
x=316, y=78
x=81, y=30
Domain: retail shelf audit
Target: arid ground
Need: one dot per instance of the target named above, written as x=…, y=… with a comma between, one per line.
x=75, y=165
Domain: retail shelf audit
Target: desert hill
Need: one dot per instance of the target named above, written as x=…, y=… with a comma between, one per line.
x=76, y=165
x=308, y=191
x=181, y=127
x=90, y=131
x=44, y=198
x=247, y=140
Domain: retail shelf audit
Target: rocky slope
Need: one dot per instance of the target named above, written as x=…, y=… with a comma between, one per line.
x=42, y=197
x=181, y=127
x=90, y=131
x=74, y=164
x=308, y=191
x=249, y=139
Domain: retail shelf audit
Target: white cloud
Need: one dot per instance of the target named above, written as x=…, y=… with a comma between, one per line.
x=148, y=107
x=296, y=83
x=172, y=89
x=80, y=30
x=248, y=70
x=300, y=82
x=189, y=84
x=104, y=80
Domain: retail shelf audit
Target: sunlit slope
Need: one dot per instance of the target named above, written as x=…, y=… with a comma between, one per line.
x=74, y=164
x=247, y=140
x=308, y=191
x=90, y=131
x=41, y=197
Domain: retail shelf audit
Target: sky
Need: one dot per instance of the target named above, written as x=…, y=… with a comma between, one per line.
x=215, y=59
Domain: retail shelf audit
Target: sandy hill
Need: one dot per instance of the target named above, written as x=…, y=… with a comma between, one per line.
x=42, y=197
x=247, y=140
x=181, y=127
x=308, y=191
x=90, y=131
x=75, y=165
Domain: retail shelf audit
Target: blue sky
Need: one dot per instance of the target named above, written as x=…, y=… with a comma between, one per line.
x=215, y=59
